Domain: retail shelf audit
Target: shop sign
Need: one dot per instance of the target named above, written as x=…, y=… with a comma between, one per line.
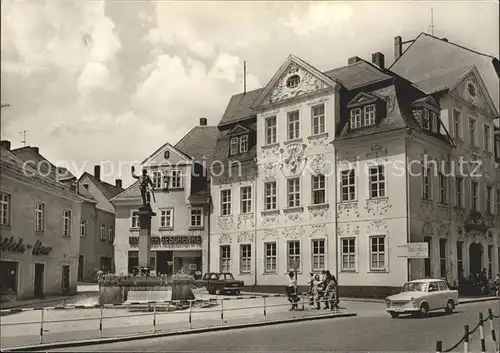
x=11, y=245
x=169, y=240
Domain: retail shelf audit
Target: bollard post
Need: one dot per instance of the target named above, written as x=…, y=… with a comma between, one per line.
x=439, y=346
x=303, y=304
x=466, y=339
x=190, y=314
x=154, y=318
x=222, y=312
x=100, y=323
x=41, y=326
x=492, y=327
x=481, y=333
x=265, y=311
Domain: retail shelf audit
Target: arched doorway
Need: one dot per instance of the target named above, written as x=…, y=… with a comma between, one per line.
x=475, y=258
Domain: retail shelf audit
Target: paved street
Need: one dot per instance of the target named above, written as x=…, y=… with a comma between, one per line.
x=372, y=330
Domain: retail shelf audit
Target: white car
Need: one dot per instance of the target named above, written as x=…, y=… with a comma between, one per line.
x=422, y=296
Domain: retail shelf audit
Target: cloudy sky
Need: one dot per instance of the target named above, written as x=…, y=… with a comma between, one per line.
x=113, y=80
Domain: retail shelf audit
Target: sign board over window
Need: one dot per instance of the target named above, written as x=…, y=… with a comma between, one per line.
x=418, y=250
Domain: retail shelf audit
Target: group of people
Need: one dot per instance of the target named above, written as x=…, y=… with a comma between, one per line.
x=321, y=289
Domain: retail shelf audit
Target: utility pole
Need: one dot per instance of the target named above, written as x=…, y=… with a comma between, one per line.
x=244, y=77
x=431, y=27
x=24, y=133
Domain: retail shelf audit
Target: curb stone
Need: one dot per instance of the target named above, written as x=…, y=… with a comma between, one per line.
x=55, y=345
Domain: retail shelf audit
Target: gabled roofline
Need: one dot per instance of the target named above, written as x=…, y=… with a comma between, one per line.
x=167, y=144
x=291, y=58
x=113, y=199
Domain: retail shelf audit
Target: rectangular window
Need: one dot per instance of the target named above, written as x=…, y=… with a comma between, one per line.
x=434, y=122
x=318, y=189
x=244, y=143
x=348, y=185
x=111, y=233
x=176, y=179
x=377, y=253
x=293, y=192
x=442, y=258
x=270, y=195
x=293, y=255
x=246, y=199
x=377, y=181
x=490, y=261
x=102, y=234
x=486, y=137
x=369, y=115
x=5, y=209
x=355, y=118
x=456, y=123
x=166, y=218
x=318, y=119
x=426, y=124
x=472, y=132
x=270, y=260
x=225, y=258
x=497, y=148
x=318, y=255
x=39, y=217
x=225, y=199
x=427, y=260
x=498, y=207
x=134, y=222
x=348, y=254
x=460, y=258
x=474, y=196
x=9, y=275
x=157, y=180
x=489, y=199
x=83, y=230
x=66, y=218
x=443, y=194
x=196, y=217
x=426, y=184
x=458, y=191
x=235, y=143
x=245, y=258
x=293, y=125
x=271, y=130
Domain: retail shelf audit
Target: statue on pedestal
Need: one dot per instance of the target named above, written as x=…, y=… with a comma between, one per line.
x=145, y=186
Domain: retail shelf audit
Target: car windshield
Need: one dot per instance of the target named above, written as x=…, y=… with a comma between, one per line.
x=228, y=276
x=415, y=287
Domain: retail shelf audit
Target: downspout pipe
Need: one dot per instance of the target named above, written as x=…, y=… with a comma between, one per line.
x=408, y=140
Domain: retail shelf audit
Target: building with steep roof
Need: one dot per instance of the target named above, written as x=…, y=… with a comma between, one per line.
x=180, y=231
x=39, y=217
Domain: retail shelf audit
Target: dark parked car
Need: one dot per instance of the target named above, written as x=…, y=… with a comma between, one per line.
x=219, y=283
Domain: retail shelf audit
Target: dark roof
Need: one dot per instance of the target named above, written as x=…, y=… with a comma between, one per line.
x=355, y=75
x=429, y=57
x=108, y=190
x=29, y=153
x=199, y=143
x=130, y=193
x=445, y=81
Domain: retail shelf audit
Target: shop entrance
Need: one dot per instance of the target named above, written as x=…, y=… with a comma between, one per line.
x=164, y=262
x=38, y=283
x=8, y=277
x=475, y=258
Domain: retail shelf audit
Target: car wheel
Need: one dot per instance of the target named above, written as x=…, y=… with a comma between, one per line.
x=450, y=306
x=394, y=315
x=424, y=309
x=218, y=291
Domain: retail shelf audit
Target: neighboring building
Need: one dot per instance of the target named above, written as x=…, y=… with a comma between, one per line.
x=458, y=216
x=97, y=226
x=180, y=233
x=39, y=219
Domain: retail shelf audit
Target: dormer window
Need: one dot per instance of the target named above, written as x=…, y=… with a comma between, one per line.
x=430, y=121
x=238, y=145
x=362, y=117
x=426, y=124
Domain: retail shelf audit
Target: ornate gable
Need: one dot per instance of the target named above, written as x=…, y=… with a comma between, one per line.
x=472, y=89
x=166, y=155
x=238, y=130
x=295, y=78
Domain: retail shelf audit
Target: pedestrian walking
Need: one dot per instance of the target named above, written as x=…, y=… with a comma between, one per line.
x=332, y=299
x=291, y=290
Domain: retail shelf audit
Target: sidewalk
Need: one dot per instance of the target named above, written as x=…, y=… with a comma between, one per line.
x=23, y=329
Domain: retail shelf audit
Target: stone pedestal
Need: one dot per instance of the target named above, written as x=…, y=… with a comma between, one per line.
x=145, y=214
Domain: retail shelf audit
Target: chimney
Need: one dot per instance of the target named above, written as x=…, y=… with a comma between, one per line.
x=118, y=183
x=379, y=60
x=97, y=172
x=5, y=144
x=398, y=47
x=36, y=149
x=353, y=60
x=203, y=121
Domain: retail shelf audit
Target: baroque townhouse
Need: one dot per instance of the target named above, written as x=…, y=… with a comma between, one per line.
x=39, y=219
x=457, y=213
x=180, y=230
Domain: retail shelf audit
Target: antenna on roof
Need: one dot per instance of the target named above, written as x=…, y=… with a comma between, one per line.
x=244, y=77
x=431, y=27
x=24, y=133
